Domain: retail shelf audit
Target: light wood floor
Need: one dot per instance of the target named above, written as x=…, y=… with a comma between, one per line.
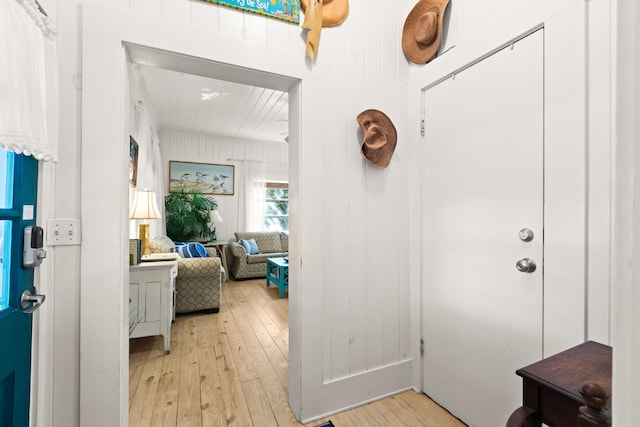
x=231, y=368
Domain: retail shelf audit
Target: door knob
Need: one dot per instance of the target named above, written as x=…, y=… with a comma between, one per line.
x=27, y=298
x=526, y=265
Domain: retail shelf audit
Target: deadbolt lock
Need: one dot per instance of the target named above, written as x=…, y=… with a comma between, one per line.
x=526, y=235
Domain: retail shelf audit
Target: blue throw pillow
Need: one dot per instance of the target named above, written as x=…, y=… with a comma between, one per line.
x=245, y=245
x=191, y=250
x=253, y=246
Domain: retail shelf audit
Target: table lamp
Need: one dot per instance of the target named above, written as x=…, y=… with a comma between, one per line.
x=215, y=217
x=144, y=206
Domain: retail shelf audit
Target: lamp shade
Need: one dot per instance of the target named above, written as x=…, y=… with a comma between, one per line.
x=215, y=217
x=144, y=205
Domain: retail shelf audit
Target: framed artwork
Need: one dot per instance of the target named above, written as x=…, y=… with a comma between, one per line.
x=285, y=10
x=133, y=162
x=203, y=178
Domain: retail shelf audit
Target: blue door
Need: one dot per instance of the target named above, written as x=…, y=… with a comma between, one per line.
x=18, y=189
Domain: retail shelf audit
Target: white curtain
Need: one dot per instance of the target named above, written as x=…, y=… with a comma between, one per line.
x=159, y=185
x=28, y=81
x=252, y=205
x=150, y=171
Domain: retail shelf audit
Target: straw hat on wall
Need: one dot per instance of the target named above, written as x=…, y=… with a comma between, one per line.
x=379, y=137
x=334, y=12
x=423, y=30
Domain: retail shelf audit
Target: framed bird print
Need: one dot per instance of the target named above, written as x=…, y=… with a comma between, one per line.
x=203, y=178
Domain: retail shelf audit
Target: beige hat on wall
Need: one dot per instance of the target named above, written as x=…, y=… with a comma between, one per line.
x=422, y=30
x=379, y=137
x=334, y=12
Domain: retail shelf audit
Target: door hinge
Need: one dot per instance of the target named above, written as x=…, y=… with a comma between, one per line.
x=422, y=127
x=421, y=347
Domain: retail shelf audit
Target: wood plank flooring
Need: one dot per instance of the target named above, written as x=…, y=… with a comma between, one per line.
x=231, y=369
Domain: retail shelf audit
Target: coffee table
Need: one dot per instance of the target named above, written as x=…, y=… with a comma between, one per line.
x=278, y=273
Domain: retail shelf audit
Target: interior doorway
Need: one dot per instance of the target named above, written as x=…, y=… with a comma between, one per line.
x=104, y=270
x=192, y=114
x=156, y=70
x=239, y=79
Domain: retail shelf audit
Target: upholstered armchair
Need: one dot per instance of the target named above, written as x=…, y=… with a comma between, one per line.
x=198, y=284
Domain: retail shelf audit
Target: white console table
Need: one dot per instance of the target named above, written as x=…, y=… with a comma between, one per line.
x=151, y=294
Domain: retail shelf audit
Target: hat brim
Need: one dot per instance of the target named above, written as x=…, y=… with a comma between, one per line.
x=412, y=49
x=333, y=13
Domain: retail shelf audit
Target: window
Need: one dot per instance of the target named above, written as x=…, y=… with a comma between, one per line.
x=6, y=198
x=276, y=217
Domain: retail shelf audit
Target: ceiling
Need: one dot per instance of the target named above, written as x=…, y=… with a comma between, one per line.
x=196, y=104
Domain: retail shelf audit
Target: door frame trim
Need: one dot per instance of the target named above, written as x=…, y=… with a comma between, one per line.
x=104, y=351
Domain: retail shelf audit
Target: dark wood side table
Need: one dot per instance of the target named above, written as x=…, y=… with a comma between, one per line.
x=551, y=388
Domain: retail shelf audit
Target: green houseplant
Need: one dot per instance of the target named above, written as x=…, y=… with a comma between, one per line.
x=187, y=215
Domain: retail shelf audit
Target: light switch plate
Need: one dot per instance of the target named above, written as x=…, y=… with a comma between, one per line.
x=63, y=231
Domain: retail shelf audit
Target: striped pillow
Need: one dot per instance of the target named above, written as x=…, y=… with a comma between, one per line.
x=191, y=250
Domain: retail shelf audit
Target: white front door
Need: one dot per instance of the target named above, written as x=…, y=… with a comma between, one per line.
x=483, y=183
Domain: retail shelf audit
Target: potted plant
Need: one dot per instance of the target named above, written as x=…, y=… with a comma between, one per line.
x=187, y=216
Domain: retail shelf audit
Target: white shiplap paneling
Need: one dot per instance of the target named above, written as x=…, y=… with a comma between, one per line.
x=352, y=260
x=342, y=247
x=176, y=11
x=196, y=104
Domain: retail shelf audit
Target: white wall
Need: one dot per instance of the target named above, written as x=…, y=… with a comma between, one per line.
x=600, y=168
x=350, y=232
x=180, y=146
x=356, y=237
x=354, y=301
x=625, y=228
x=65, y=175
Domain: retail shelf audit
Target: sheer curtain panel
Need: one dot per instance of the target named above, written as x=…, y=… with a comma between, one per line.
x=28, y=80
x=251, y=212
